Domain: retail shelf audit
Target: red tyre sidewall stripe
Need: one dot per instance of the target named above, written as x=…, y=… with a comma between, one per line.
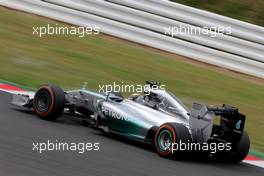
x=172, y=130
x=52, y=102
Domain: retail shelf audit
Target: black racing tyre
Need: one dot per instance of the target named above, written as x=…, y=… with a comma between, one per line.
x=169, y=134
x=49, y=102
x=239, y=151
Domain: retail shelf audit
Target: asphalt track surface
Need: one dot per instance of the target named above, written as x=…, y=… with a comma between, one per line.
x=117, y=156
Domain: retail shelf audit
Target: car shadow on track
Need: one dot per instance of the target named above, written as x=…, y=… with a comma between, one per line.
x=65, y=119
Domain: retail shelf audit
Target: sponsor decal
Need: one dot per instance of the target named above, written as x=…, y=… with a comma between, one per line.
x=115, y=115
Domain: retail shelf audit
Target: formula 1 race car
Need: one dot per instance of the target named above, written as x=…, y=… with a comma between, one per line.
x=158, y=118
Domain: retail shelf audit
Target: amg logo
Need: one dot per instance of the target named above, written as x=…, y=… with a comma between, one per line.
x=109, y=112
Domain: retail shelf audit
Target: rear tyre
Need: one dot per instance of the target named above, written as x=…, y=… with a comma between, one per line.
x=170, y=134
x=240, y=150
x=49, y=102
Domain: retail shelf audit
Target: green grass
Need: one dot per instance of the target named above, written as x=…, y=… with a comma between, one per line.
x=250, y=11
x=69, y=61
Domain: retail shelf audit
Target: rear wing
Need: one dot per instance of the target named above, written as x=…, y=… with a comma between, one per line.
x=232, y=121
x=201, y=121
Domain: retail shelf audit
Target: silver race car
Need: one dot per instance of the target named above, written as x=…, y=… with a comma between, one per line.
x=158, y=118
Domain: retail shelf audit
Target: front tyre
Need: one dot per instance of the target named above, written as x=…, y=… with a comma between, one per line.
x=49, y=102
x=168, y=135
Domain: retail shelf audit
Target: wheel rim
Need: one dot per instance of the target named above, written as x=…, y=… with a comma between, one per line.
x=165, y=140
x=43, y=101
